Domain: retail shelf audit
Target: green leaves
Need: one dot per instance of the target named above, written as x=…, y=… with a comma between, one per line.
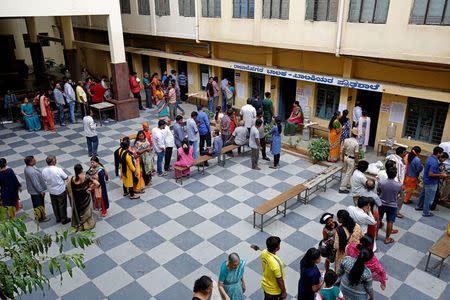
x=318, y=149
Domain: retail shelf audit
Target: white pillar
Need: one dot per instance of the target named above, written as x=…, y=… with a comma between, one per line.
x=115, y=34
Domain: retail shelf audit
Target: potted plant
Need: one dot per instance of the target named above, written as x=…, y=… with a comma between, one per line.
x=318, y=149
x=267, y=128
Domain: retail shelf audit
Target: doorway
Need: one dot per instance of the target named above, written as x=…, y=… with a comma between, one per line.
x=182, y=67
x=257, y=81
x=129, y=58
x=145, y=64
x=371, y=101
x=286, y=97
x=163, y=65
x=229, y=74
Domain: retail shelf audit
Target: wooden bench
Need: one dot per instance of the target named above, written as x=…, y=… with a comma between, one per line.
x=276, y=202
x=320, y=181
x=317, y=127
x=441, y=249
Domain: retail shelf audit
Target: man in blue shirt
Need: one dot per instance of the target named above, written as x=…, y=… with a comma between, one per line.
x=182, y=81
x=60, y=102
x=215, y=150
x=204, y=129
x=430, y=182
x=178, y=131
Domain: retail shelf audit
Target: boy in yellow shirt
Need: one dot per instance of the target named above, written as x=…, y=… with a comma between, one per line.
x=273, y=271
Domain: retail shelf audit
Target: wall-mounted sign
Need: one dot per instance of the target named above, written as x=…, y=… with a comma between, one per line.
x=319, y=78
x=385, y=107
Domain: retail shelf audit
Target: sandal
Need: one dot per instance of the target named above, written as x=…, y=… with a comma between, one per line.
x=135, y=197
x=400, y=216
x=390, y=241
x=125, y=194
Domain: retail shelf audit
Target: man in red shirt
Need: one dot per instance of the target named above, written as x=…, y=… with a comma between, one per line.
x=136, y=89
x=97, y=92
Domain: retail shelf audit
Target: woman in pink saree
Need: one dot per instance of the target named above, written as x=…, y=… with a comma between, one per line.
x=185, y=159
x=378, y=272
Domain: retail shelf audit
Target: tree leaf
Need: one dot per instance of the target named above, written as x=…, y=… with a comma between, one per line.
x=68, y=266
x=72, y=238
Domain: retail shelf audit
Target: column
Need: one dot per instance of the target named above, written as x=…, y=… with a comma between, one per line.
x=70, y=51
x=37, y=55
x=126, y=106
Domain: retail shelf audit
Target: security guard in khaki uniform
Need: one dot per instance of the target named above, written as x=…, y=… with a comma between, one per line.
x=350, y=151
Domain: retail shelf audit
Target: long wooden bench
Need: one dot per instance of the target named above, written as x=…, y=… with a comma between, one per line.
x=442, y=250
x=320, y=181
x=276, y=202
x=317, y=127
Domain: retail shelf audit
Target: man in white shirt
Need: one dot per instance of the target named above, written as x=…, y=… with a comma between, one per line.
x=70, y=98
x=169, y=143
x=358, y=180
x=361, y=214
x=223, y=86
x=55, y=178
x=357, y=113
x=254, y=144
x=248, y=113
x=446, y=147
x=159, y=145
x=400, y=153
x=90, y=131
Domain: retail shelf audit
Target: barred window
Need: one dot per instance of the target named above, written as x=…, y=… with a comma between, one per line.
x=211, y=9
x=244, y=9
x=276, y=9
x=144, y=7
x=186, y=8
x=125, y=7
x=368, y=11
x=425, y=120
x=327, y=101
x=430, y=12
x=321, y=10
x=162, y=7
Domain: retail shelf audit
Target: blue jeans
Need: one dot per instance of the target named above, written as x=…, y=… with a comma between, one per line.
x=159, y=162
x=224, y=102
x=194, y=145
x=72, y=111
x=61, y=113
x=426, y=198
x=92, y=144
x=210, y=103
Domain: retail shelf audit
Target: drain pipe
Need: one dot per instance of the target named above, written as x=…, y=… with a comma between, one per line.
x=197, y=21
x=339, y=29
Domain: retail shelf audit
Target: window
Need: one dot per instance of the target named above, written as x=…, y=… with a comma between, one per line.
x=162, y=7
x=204, y=76
x=244, y=9
x=186, y=8
x=430, y=12
x=368, y=11
x=211, y=9
x=327, y=101
x=144, y=7
x=321, y=10
x=44, y=43
x=125, y=7
x=425, y=120
x=276, y=9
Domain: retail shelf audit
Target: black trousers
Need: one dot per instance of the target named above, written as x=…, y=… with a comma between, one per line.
x=205, y=138
x=183, y=92
x=59, y=205
x=148, y=97
x=167, y=158
x=272, y=297
x=262, y=141
x=138, y=97
x=276, y=160
x=128, y=190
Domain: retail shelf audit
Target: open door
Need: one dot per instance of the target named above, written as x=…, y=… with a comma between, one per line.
x=371, y=101
x=286, y=97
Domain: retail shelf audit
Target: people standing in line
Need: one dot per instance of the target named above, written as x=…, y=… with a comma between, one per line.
x=328, y=237
x=310, y=280
x=174, y=77
x=154, y=81
x=442, y=193
x=164, y=77
x=99, y=194
x=90, y=131
x=334, y=139
x=172, y=101
x=46, y=112
x=161, y=106
x=225, y=127
x=275, y=142
x=210, y=93
x=413, y=166
x=192, y=133
x=56, y=178
x=138, y=181
x=216, y=91
x=294, y=120
x=185, y=159
x=239, y=136
x=267, y=106
x=182, y=82
x=124, y=159
x=375, y=204
x=136, y=89
x=9, y=189
x=248, y=114
x=357, y=113
x=79, y=188
x=356, y=280
x=30, y=116
x=36, y=188
x=257, y=103
x=144, y=159
x=231, y=278
x=350, y=157
x=389, y=190
x=169, y=143
x=358, y=179
x=364, y=128
x=398, y=157
x=216, y=149
x=103, y=83
x=223, y=87
x=204, y=128
x=97, y=92
x=81, y=98
x=331, y=291
x=230, y=94
x=255, y=144
x=60, y=102
x=202, y=288
x=178, y=97
x=70, y=98
x=262, y=135
x=431, y=175
x=361, y=213
x=345, y=122
x=273, y=271
x=178, y=131
x=148, y=90
x=159, y=146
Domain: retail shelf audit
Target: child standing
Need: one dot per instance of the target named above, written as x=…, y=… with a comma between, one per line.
x=330, y=291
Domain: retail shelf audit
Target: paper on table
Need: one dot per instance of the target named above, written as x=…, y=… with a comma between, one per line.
x=303, y=101
x=205, y=78
x=307, y=91
x=397, y=113
x=240, y=90
x=190, y=77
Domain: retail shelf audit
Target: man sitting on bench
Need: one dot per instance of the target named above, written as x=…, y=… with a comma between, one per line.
x=239, y=137
x=215, y=150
